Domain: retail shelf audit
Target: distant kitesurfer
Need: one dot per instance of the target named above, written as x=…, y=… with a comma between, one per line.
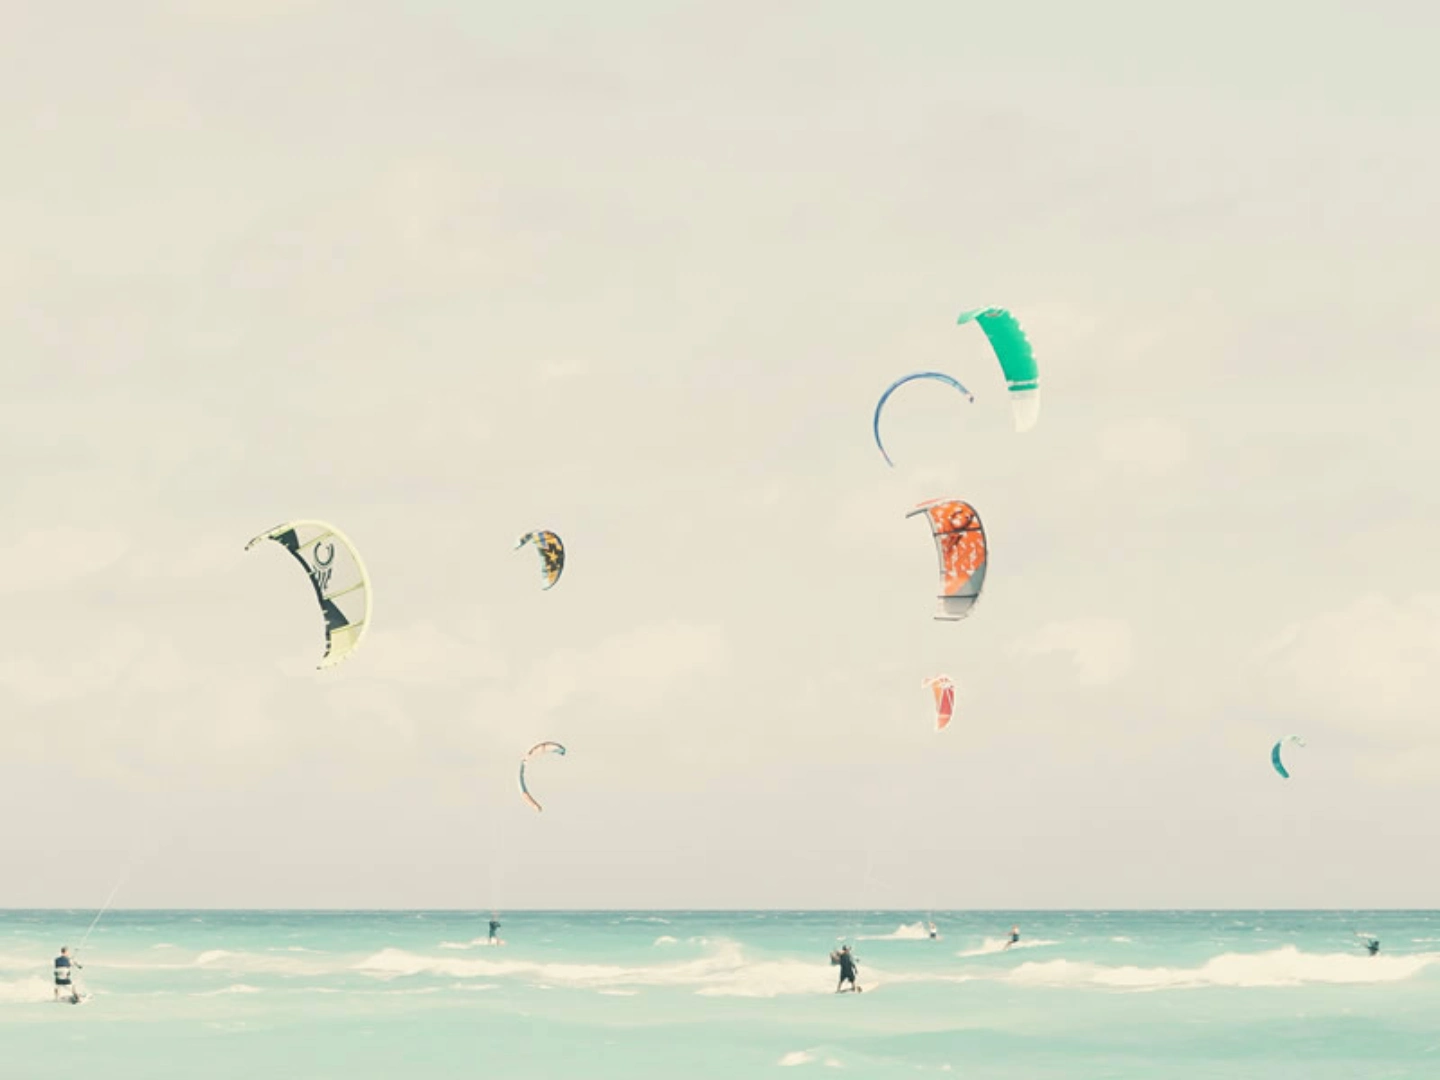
x=846, y=960
x=932, y=932
x=1373, y=944
x=63, y=966
x=494, y=926
x=1014, y=936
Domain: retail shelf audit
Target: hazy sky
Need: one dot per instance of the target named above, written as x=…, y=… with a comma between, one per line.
x=445, y=272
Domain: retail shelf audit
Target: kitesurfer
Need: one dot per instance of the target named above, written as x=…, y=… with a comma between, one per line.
x=494, y=926
x=932, y=932
x=846, y=960
x=1373, y=944
x=1014, y=936
x=63, y=966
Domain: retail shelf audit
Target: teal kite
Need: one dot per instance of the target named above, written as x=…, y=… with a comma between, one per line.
x=1017, y=360
x=1275, y=753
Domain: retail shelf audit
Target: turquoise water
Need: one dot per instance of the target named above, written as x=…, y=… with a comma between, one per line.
x=1177, y=995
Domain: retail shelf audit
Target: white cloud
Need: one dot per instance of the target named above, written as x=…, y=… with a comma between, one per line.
x=1101, y=650
x=198, y=555
x=47, y=558
x=163, y=109
x=83, y=665
x=246, y=10
x=423, y=653
x=1372, y=666
x=1150, y=447
x=637, y=667
x=567, y=368
x=876, y=512
x=769, y=495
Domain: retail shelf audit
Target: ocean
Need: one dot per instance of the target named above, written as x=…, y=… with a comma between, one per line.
x=1160, y=995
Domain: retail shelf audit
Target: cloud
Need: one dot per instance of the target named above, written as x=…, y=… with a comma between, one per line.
x=422, y=653
x=245, y=10
x=129, y=660
x=1149, y=447
x=567, y=368
x=767, y=495
x=1101, y=650
x=180, y=556
x=47, y=558
x=1372, y=666
x=875, y=512
x=637, y=667
x=163, y=109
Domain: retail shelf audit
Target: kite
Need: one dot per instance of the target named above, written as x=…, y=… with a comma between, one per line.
x=338, y=576
x=534, y=751
x=944, y=690
x=901, y=382
x=1275, y=753
x=1017, y=360
x=960, y=545
x=552, y=553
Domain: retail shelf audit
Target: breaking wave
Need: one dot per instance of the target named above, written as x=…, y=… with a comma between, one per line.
x=19, y=991
x=723, y=968
x=998, y=945
x=906, y=932
x=725, y=972
x=237, y=988
x=1286, y=966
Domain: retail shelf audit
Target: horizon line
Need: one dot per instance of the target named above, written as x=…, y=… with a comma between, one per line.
x=722, y=911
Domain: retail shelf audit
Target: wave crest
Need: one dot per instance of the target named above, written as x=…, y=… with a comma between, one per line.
x=905, y=932
x=1286, y=966
x=724, y=972
x=998, y=945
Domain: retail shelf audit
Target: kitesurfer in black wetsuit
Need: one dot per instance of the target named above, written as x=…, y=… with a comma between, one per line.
x=1373, y=945
x=63, y=966
x=846, y=960
x=494, y=926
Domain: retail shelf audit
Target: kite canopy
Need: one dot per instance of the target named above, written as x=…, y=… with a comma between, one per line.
x=535, y=751
x=1017, y=360
x=960, y=545
x=338, y=577
x=880, y=405
x=552, y=553
x=944, y=690
x=1275, y=753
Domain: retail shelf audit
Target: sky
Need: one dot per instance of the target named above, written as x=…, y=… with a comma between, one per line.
x=442, y=273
